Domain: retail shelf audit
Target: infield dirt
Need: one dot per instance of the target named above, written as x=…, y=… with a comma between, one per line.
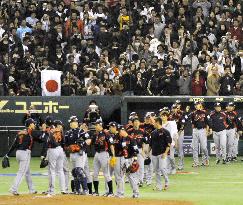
x=81, y=200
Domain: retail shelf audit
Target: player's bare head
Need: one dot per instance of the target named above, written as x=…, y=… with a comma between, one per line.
x=157, y=122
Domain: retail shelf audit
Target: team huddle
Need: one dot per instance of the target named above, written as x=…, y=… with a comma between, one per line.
x=133, y=153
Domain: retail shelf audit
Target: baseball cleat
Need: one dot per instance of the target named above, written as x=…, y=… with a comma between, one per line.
x=15, y=193
x=110, y=195
x=148, y=183
x=119, y=195
x=64, y=193
x=234, y=159
x=206, y=163
x=95, y=194
x=224, y=161
x=166, y=187
x=217, y=161
x=195, y=165
x=135, y=196
x=33, y=192
x=157, y=189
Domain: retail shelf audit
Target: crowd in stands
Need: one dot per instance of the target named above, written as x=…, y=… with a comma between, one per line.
x=135, y=47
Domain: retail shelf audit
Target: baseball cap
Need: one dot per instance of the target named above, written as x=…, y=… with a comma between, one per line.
x=231, y=104
x=58, y=122
x=164, y=110
x=197, y=103
x=121, y=127
x=133, y=114
x=28, y=122
x=174, y=106
x=217, y=104
x=113, y=124
x=98, y=122
x=178, y=102
x=73, y=119
x=147, y=115
x=49, y=121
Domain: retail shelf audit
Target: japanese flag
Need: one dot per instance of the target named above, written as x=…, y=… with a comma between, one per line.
x=51, y=82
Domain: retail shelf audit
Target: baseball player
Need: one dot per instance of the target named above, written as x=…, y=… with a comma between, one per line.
x=129, y=125
x=200, y=130
x=76, y=140
x=178, y=116
x=129, y=152
x=219, y=124
x=231, y=131
x=172, y=128
x=117, y=168
x=140, y=136
x=102, y=142
x=54, y=155
x=160, y=145
x=85, y=128
x=23, y=143
x=148, y=127
x=59, y=125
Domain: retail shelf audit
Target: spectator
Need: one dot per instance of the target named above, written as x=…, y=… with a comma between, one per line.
x=227, y=83
x=184, y=83
x=23, y=29
x=93, y=88
x=168, y=83
x=213, y=84
x=198, y=84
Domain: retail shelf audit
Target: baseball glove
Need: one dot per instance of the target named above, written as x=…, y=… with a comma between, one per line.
x=113, y=162
x=147, y=161
x=74, y=148
x=5, y=162
x=133, y=167
x=43, y=163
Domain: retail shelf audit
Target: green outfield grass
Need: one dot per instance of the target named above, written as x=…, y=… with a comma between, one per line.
x=214, y=185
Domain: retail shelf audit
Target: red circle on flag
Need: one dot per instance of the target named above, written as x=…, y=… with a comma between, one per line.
x=51, y=86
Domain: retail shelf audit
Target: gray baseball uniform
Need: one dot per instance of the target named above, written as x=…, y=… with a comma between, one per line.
x=55, y=158
x=66, y=171
x=231, y=136
x=23, y=143
x=23, y=158
x=160, y=168
x=180, y=150
x=220, y=139
x=200, y=121
x=102, y=141
x=172, y=128
x=199, y=136
x=219, y=124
